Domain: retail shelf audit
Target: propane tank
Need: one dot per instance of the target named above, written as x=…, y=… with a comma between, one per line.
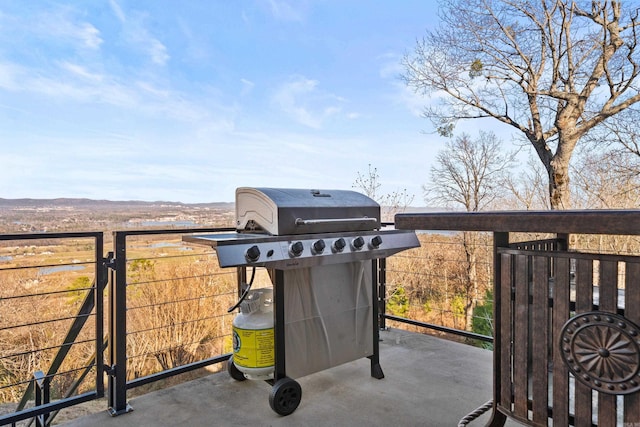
x=253, y=352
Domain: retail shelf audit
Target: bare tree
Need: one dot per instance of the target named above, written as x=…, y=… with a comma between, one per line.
x=368, y=183
x=607, y=180
x=551, y=69
x=470, y=174
x=528, y=187
x=621, y=137
x=391, y=203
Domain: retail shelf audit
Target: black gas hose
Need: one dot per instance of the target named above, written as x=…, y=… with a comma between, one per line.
x=246, y=291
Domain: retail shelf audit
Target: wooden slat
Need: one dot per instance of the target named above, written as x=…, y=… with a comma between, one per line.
x=540, y=339
x=561, y=300
x=608, y=303
x=632, y=312
x=505, y=332
x=584, y=303
x=521, y=337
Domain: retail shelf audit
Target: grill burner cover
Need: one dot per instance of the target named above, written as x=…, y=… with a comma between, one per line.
x=279, y=211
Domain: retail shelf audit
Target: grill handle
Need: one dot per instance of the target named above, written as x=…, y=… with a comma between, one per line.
x=325, y=221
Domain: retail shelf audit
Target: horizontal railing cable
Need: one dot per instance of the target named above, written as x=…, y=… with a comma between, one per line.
x=156, y=351
x=44, y=294
x=43, y=349
x=174, y=279
x=43, y=322
x=170, y=302
x=173, y=325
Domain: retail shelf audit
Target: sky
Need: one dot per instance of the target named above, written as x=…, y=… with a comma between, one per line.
x=186, y=101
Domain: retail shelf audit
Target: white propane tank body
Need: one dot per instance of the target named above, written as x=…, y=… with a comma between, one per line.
x=253, y=337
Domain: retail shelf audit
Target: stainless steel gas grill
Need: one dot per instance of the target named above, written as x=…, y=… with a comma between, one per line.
x=321, y=250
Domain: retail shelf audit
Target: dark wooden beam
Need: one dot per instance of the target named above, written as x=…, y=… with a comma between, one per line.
x=564, y=222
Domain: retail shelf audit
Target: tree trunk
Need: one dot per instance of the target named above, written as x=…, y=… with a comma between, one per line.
x=557, y=166
x=471, y=296
x=559, y=191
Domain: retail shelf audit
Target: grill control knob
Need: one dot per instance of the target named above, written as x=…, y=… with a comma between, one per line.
x=338, y=245
x=375, y=243
x=318, y=246
x=252, y=254
x=296, y=248
x=358, y=243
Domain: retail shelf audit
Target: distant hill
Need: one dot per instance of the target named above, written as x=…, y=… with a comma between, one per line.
x=111, y=204
x=91, y=203
x=419, y=209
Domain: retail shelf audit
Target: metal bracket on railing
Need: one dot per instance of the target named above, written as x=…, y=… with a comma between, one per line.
x=110, y=370
x=110, y=261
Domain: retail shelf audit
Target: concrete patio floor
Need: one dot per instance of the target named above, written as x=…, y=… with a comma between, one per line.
x=428, y=382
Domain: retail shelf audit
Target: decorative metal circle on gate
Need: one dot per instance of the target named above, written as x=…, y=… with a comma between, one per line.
x=602, y=351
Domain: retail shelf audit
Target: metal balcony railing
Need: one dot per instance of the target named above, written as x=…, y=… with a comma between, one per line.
x=34, y=310
x=153, y=308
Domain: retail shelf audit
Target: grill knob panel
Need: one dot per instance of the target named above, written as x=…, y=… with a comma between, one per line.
x=252, y=254
x=375, y=243
x=338, y=245
x=318, y=246
x=296, y=248
x=358, y=243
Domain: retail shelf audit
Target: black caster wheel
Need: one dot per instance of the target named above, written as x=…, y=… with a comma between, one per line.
x=285, y=396
x=234, y=372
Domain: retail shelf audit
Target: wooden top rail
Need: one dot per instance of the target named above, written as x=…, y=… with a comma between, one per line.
x=561, y=222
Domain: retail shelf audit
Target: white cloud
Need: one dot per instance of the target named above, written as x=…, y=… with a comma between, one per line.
x=391, y=66
x=391, y=69
x=10, y=76
x=301, y=99
x=80, y=71
x=61, y=26
x=82, y=33
x=135, y=31
x=117, y=10
x=140, y=38
x=88, y=35
x=288, y=11
x=71, y=83
x=157, y=51
x=411, y=100
x=247, y=87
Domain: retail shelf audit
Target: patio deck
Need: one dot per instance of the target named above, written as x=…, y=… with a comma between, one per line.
x=428, y=381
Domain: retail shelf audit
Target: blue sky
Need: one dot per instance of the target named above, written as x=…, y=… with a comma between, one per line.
x=185, y=101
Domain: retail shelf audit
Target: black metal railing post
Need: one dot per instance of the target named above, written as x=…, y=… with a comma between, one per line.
x=101, y=278
x=42, y=396
x=117, y=370
x=500, y=240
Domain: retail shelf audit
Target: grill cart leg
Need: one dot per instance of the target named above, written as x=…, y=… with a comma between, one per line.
x=286, y=393
x=278, y=326
x=376, y=369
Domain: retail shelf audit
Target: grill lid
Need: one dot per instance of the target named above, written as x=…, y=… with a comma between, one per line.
x=281, y=211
